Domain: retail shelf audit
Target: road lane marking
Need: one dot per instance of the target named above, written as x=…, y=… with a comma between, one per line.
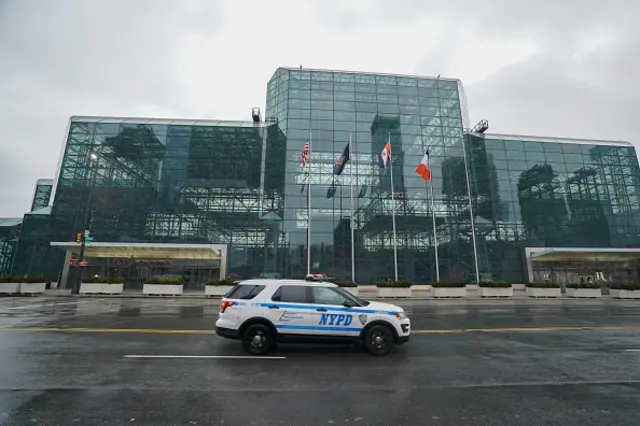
x=106, y=330
x=528, y=329
x=632, y=350
x=413, y=332
x=203, y=357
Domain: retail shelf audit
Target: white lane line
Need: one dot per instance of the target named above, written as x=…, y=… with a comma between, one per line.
x=202, y=357
x=632, y=350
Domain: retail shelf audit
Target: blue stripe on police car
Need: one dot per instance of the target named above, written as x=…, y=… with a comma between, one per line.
x=316, y=328
x=328, y=308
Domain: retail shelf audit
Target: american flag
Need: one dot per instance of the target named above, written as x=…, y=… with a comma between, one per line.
x=305, y=154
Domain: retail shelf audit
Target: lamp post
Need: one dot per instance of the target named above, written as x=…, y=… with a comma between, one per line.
x=93, y=158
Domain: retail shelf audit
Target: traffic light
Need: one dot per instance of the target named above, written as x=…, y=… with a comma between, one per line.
x=79, y=237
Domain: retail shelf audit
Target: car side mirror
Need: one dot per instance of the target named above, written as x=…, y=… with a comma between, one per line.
x=348, y=304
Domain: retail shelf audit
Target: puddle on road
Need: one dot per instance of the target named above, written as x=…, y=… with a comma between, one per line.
x=192, y=311
x=129, y=312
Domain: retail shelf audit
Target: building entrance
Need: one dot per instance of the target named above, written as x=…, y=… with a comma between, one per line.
x=194, y=273
x=136, y=262
x=577, y=265
x=603, y=273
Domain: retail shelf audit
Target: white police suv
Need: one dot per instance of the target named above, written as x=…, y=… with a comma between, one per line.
x=263, y=312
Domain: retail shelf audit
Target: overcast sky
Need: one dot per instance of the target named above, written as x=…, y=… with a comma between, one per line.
x=543, y=67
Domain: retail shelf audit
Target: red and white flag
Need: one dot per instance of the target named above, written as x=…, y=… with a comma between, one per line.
x=423, y=168
x=305, y=154
x=385, y=155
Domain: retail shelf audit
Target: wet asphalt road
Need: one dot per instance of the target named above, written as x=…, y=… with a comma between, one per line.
x=521, y=362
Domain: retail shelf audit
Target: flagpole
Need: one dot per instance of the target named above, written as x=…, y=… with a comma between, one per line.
x=473, y=222
x=353, y=252
x=393, y=217
x=433, y=219
x=309, y=209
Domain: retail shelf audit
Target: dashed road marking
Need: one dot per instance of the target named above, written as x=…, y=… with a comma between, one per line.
x=106, y=330
x=202, y=357
x=528, y=329
x=413, y=332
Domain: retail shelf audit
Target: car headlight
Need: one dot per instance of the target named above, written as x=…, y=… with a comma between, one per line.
x=400, y=315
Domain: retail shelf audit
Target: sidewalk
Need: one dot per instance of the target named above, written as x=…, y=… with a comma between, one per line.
x=472, y=295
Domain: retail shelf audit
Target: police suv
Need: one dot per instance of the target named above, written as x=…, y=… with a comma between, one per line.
x=263, y=312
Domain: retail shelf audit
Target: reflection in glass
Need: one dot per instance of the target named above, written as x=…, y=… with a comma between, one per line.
x=550, y=202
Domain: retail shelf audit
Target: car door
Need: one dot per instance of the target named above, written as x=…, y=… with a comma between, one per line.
x=331, y=316
x=289, y=309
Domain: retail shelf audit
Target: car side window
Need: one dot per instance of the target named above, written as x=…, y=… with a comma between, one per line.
x=327, y=296
x=244, y=291
x=291, y=294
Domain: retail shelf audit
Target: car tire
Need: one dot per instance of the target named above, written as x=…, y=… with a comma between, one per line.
x=379, y=340
x=257, y=339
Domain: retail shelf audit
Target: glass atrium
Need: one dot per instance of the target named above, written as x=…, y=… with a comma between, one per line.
x=497, y=198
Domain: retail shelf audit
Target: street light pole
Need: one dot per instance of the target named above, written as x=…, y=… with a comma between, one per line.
x=85, y=225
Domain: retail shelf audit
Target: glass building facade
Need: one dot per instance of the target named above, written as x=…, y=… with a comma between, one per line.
x=165, y=181
x=241, y=184
x=9, y=233
x=550, y=192
x=42, y=194
x=416, y=114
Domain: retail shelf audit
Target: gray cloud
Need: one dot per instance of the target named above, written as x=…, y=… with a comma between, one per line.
x=62, y=58
x=11, y=172
x=595, y=95
x=581, y=83
x=533, y=98
x=120, y=51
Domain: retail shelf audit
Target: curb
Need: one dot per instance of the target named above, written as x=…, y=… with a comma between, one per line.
x=518, y=297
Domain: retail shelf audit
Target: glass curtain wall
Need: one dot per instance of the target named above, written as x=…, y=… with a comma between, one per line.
x=537, y=192
x=9, y=233
x=32, y=255
x=42, y=194
x=174, y=181
x=417, y=114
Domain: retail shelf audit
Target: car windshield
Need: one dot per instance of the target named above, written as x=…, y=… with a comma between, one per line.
x=351, y=297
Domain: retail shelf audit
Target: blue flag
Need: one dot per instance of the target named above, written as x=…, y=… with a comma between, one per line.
x=342, y=161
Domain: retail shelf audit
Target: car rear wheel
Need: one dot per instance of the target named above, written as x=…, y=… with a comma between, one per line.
x=257, y=339
x=379, y=340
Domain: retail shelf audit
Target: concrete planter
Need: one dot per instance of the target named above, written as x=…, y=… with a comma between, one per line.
x=590, y=293
x=496, y=291
x=625, y=294
x=9, y=288
x=101, y=288
x=421, y=290
x=394, y=291
x=544, y=292
x=449, y=292
x=162, y=289
x=112, y=288
x=368, y=290
x=518, y=286
x=32, y=288
x=217, y=290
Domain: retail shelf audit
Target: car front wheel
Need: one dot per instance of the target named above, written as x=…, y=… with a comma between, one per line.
x=257, y=339
x=379, y=340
